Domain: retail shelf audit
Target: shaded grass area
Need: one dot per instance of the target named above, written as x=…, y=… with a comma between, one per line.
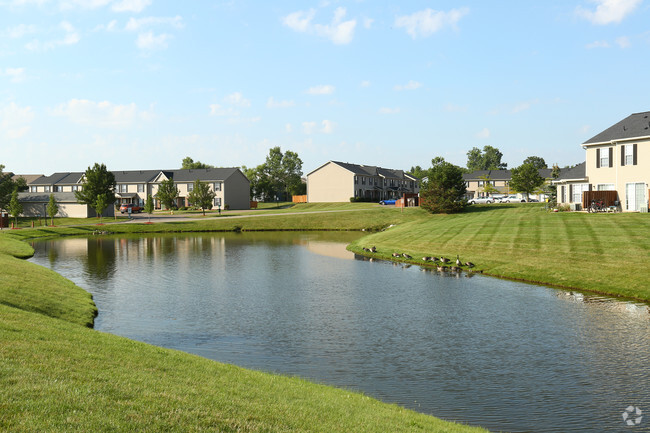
x=603, y=253
x=33, y=288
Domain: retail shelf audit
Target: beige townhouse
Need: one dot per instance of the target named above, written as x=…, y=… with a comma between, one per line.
x=337, y=181
x=617, y=159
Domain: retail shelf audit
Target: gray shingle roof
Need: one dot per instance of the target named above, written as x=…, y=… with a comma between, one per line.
x=577, y=172
x=44, y=197
x=635, y=125
x=203, y=174
x=372, y=170
x=500, y=174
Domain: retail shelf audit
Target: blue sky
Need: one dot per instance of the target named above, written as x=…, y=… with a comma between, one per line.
x=140, y=84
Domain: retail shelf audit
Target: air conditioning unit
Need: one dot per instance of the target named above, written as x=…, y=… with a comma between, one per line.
x=575, y=206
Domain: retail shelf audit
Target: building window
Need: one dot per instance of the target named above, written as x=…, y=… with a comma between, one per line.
x=47, y=188
x=356, y=180
x=190, y=187
x=217, y=201
x=122, y=188
x=577, y=190
x=75, y=188
x=217, y=186
x=628, y=154
x=33, y=189
x=603, y=157
x=605, y=187
x=634, y=196
x=141, y=187
x=481, y=183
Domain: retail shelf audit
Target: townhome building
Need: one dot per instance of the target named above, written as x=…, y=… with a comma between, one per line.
x=617, y=159
x=477, y=182
x=231, y=187
x=337, y=181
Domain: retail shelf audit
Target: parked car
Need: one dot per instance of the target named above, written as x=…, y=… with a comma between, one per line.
x=513, y=199
x=134, y=208
x=387, y=202
x=481, y=200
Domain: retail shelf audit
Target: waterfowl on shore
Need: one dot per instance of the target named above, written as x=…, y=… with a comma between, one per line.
x=426, y=258
x=397, y=255
x=406, y=256
x=373, y=249
x=444, y=259
x=458, y=262
x=469, y=264
x=455, y=269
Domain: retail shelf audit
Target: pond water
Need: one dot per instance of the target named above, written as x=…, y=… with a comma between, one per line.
x=483, y=351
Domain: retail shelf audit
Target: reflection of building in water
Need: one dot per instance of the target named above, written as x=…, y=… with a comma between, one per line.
x=608, y=303
x=330, y=249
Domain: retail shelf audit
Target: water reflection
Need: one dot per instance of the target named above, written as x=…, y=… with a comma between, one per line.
x=500, y=354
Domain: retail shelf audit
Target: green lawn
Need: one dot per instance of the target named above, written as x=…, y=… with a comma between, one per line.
x=603, y=253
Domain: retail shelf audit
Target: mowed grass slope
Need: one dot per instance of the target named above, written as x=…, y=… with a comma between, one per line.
x=604, y=253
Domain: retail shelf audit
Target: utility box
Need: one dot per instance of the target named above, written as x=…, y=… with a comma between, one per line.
x=4, y=220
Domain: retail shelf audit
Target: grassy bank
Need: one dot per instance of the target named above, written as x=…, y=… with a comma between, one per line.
x=58, y=375
x=602, y=253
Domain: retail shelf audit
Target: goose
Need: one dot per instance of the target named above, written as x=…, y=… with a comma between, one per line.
x=406, y=256
x=366, y=249
x=458, y=262
x=455, y=269
x=444, y=259
x=397, y=255
x=469, y=264
x=426, y=259
x=373, y=249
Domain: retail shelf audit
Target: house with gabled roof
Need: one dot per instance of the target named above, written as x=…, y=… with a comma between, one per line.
x=618, y=159
x=477, y=182
x=231, y=187
x=337, y=181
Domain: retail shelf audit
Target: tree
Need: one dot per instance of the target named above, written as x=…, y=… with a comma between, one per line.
x=97, y=189
x=537, y=161
x=445, y=189
x=526, y=179
x=167, y=193
x=148, y=206
x=284, y=172
x=188, y=163
x=201, y=195
x=551, y=188
x=8, y=185
x=488, y=188
x=488, y=159
x=418, y=172
x=52, y=209
x=15, y=206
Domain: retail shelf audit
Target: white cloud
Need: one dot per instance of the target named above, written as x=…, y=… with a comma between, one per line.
x=15, y=120
x=20, y=30
x=523, y=106
x=365, y=83
x=130, y=5
x=150, y=41
x=70, y=37
x=608, y=11
x=623, y=42
x=367, y=23
x=426, y=22
x=308, y=127
x=17, y=74
x=83, y=4
x=272, y=103
x=598, y=44
x=238, y=100
x=102, y=114
x=321, y=90
x=218, y=110
x=484, y=133
x=328, y=127
x=386, y=110
x=338, y=31
x=136, y=24
x=299, y=21
x=411, y=85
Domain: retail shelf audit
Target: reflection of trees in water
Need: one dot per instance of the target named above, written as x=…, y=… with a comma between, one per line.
x=52, y=253
x=101, y=258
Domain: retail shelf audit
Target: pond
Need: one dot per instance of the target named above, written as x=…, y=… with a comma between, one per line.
x=483, y=351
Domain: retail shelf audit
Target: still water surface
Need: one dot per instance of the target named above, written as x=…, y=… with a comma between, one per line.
x=503, y=355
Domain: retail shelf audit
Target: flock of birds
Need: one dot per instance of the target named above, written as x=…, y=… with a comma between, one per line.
x=440, y=262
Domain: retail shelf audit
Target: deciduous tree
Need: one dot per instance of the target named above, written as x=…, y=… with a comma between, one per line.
x=8, y=185
x=98, y=188
x=15, y=206
x=201, y=195
x=188, y=163
x=488, y=159
x=52, y=209
x=537, y=161
x=526, y=179
x=167, y=193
